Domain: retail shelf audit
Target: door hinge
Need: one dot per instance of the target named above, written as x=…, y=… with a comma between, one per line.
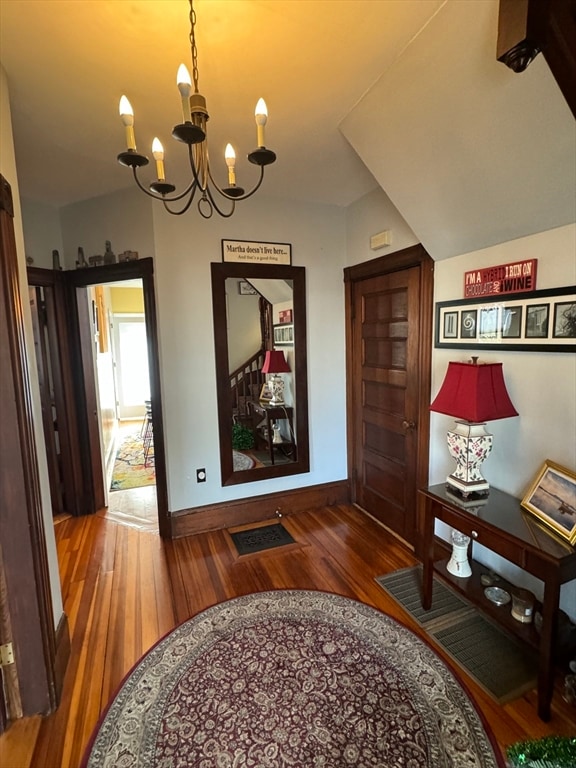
x=6, y=654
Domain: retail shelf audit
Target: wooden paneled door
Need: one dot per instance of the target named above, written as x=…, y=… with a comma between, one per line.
x=389, y=312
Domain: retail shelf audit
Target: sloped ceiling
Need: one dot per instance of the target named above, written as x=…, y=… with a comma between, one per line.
x=69, y=61
x=469, y=152
x=405, y=94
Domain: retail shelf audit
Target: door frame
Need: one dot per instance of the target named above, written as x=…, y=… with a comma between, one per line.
x=90, y=447
x=413, y=256
x=57, y=317
x=27, y=610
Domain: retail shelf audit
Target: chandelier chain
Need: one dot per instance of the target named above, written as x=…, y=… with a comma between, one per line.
x=193, y=48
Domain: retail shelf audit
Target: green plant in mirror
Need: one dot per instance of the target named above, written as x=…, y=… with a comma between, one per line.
x=242, y=437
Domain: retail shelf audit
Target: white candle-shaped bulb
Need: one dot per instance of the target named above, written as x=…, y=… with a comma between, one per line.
x=261, y=114
x=158, y=153
x=185, y=87
x=127, y=117
x=230, y=157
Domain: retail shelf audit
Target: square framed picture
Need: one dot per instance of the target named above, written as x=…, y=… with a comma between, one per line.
x=565, y=320
x=468, y=324
x=537, y=318
x=489, y=325
x=552, y=499
x=511, y=319
x=245, y=289
x=451, y=325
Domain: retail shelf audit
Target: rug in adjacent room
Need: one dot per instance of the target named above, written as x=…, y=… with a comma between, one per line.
x=502, y=666
x=292, y=678
x=261, y=538
x=241, y=462
x=129, y=470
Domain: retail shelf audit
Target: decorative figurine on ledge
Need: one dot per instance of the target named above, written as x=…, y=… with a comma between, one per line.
x=109, y=255
x=81, y=262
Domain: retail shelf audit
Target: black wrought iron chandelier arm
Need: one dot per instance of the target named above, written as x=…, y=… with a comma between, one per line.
x=164, y=198
x=143, y=188
x=210, y=201
x=185, y=208
x=242, y=196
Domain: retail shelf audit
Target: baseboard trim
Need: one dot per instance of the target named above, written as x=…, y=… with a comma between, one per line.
x=62, y=655
x=254, y=509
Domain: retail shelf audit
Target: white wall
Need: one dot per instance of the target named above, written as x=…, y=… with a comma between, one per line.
x=244, y=333
x=542, y=386
x=369, y=216
x=45, y=236
x=124, y=218
x=8, y=170
x=183, y=248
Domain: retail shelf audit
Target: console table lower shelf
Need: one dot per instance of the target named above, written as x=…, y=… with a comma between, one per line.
x=500, y=525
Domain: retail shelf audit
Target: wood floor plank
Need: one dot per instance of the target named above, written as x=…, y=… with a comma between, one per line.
x=124, y=588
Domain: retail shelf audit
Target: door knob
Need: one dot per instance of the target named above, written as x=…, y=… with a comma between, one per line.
x=408, y=424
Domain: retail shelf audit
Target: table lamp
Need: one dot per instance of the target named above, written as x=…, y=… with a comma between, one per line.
x=275, y=363
x=473, y=394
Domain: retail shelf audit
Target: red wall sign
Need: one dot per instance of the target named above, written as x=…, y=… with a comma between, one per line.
x=517, y=277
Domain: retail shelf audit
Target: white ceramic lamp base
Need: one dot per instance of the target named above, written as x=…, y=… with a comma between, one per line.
x=276, y=385
x=458, y=564
x=469, y=445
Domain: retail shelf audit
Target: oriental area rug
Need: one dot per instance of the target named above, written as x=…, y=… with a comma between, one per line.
x=292, y=678
x=129, y=468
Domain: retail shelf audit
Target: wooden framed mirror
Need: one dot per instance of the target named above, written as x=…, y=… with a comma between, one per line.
x=259, y=309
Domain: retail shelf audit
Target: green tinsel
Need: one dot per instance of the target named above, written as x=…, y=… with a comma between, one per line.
x=548, y=752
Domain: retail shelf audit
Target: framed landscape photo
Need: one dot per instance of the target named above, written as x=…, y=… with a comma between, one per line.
x=552, y=499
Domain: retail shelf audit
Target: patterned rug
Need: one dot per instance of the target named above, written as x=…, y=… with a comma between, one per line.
x=292, y=678
x=129, y=470
x=241, y=461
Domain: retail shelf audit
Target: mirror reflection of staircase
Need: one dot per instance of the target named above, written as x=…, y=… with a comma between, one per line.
x=246, y=384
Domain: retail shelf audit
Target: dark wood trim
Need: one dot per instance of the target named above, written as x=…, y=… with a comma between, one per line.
x=63, y=650
x=254, y=509
x=90, y=446
x=58, y=314
x=414, y=256
x=22, y=534
x=142, y=269
x=526, y=27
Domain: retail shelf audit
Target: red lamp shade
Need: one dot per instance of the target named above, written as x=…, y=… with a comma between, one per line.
x=275, y=362
x=475, y=393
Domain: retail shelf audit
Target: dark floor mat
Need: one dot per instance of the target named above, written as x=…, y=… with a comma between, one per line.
x=504, y=667
x=405, y=586
x=259, y=539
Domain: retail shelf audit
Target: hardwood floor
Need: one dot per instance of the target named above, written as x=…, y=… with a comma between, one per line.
x=124, y=588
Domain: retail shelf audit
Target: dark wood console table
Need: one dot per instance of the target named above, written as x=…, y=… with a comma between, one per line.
x=501, y=525
x=269, y=413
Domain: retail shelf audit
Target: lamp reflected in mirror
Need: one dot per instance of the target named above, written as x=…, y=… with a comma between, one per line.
x=274, y=363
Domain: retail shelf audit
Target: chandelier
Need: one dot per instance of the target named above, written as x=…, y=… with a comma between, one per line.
x=192, y=132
